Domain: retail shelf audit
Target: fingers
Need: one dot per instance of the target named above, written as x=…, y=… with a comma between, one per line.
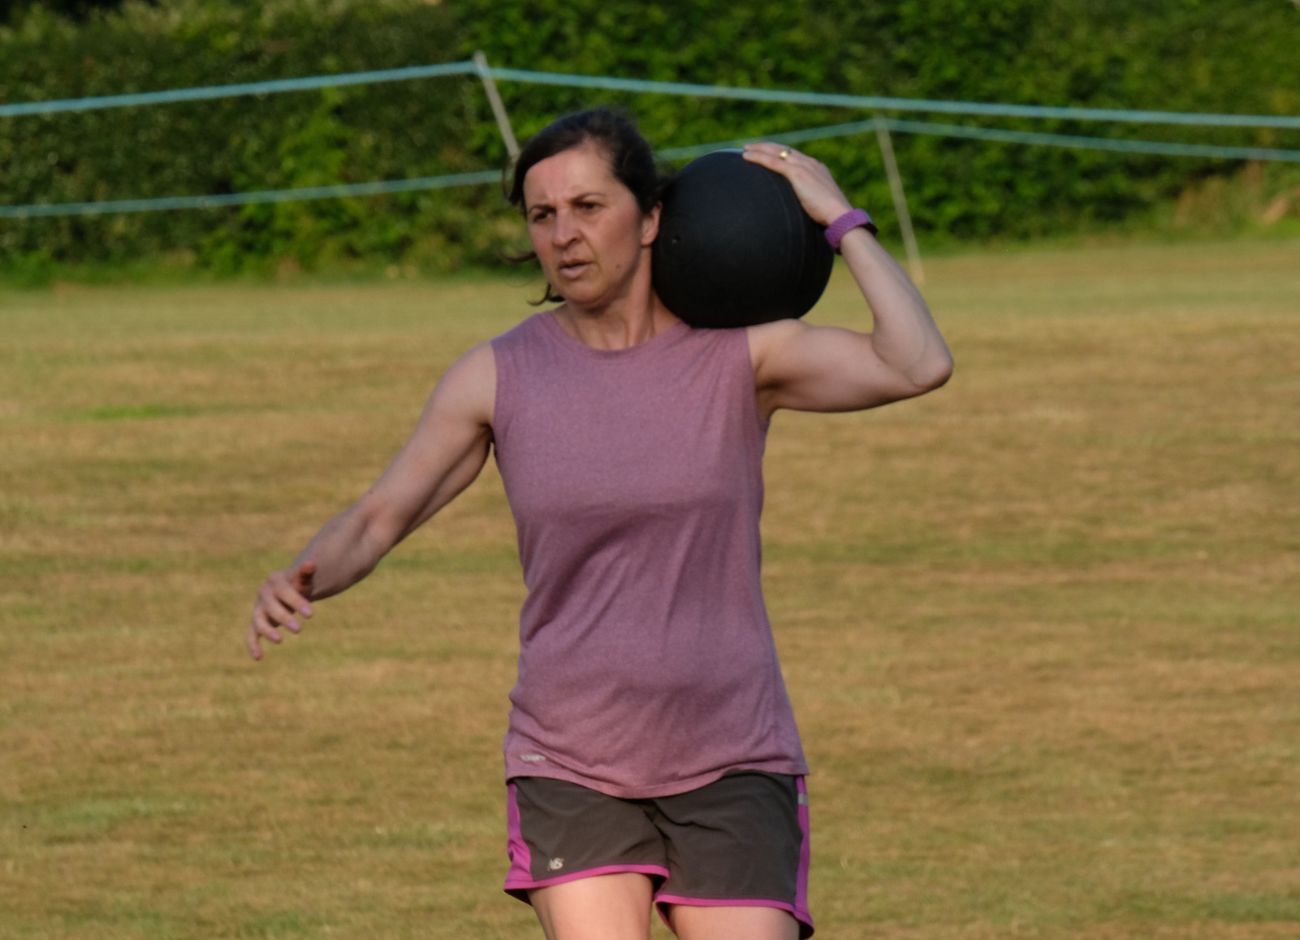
x=260, y=629
x=812, y=181
x=783, y=159
x=280, y=601
x=263, y=627
x=763, y=151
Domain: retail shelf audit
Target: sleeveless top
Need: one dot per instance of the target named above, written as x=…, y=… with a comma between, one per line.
x=646, y=662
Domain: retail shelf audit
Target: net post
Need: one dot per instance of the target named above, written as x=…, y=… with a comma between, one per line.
x=900, y=199
x=498, y=109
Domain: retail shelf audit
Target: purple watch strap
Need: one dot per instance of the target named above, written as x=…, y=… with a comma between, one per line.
x=854, y=218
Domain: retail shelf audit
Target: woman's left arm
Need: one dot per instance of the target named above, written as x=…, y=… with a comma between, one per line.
x=811, y=368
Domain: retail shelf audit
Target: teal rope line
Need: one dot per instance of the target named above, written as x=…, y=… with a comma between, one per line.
x=230, y=91
x=895, y=104
x=788, y=137
x=670, y=153
x=668, y=88
x=1005, y=136
x=1176, y=149
x=240, y=199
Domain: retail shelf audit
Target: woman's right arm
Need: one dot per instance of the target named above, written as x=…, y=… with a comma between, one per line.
x=443, y=456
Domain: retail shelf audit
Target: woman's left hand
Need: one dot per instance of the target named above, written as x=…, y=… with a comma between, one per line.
x=817, y=190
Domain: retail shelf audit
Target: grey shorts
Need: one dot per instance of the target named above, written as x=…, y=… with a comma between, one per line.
x=739, y=841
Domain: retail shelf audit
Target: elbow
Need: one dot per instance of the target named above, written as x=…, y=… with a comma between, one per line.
x=932, y=374
x=942, y=372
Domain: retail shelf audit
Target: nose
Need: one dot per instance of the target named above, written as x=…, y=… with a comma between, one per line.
x=563, y=231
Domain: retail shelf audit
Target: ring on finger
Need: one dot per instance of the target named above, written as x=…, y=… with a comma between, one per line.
x=785, y=153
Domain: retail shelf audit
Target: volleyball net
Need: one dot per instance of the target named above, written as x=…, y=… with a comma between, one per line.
x=883, y=122
x=883, y=111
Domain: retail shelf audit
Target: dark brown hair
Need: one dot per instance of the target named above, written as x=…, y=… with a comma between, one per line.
x=630, y=159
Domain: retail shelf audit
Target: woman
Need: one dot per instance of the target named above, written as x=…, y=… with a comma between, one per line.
x=651, y=755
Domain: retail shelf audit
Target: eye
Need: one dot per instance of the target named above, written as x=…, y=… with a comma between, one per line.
x=538, y=215
x=588, y=206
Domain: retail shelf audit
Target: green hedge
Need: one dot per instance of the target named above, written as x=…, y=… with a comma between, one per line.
x=1211, y=55
x=1194, y=55
x=309, y=138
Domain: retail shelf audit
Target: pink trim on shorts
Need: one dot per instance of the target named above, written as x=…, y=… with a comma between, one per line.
x=517, y=885
x=520, y=880
x=665, y=901
x=799, y=910
x=516, y=848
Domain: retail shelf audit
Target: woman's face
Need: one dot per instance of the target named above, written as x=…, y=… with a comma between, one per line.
x=586, y=227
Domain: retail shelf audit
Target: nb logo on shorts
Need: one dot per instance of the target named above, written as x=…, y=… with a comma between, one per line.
x=533, y=758
x=555, y=864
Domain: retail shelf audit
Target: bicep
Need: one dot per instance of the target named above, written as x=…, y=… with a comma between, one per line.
x=444, y=453
x=821, y=368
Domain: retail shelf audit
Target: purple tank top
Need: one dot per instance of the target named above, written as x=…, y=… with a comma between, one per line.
x=646, y=661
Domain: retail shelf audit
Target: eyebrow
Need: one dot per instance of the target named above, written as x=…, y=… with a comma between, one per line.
x=579, y=197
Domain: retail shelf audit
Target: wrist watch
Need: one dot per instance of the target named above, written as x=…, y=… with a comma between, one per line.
x=854, y=218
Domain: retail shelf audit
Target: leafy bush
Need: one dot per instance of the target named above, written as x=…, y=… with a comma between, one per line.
x=352, y=134
x=1200, y=55
x=1192, y=55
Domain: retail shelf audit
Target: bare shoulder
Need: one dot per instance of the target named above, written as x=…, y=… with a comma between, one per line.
x=767, y=338
x=468, y=387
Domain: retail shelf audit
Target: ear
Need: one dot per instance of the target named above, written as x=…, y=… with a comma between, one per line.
x=650, y=225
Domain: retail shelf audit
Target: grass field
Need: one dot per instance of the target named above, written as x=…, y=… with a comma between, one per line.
x=1042, y=628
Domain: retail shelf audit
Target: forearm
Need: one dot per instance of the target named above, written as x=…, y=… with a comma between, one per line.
x=904, y=334
x=345, y=550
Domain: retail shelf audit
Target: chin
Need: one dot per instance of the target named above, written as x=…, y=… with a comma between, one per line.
x=582, y=298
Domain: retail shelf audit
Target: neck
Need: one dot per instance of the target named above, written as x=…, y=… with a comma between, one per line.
x=628, y=320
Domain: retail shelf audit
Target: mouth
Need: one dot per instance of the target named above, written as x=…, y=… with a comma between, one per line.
x=573, y=268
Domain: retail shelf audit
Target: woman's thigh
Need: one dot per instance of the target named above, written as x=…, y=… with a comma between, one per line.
x=738, y=857
x=726, y=923
x=603, y=907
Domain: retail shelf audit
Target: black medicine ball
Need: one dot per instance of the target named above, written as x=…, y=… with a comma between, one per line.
x=735, y=248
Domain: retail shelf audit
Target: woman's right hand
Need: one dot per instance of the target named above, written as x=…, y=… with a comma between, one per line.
x=283, y=597
x=444, y=454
